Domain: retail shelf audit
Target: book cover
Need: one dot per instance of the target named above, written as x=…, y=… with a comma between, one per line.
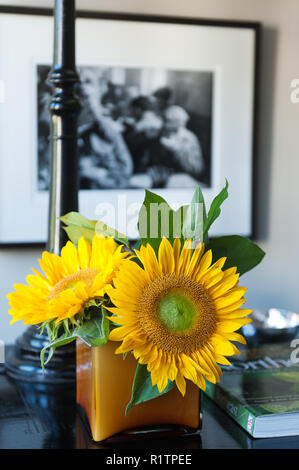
x=261, y=382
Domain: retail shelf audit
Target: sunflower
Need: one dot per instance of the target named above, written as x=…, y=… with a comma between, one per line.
x=178, y=314
x=69, y=281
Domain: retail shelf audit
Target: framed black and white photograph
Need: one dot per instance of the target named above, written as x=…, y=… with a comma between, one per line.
x=168, y=103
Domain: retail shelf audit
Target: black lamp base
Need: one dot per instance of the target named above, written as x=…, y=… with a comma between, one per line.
x=22, y=361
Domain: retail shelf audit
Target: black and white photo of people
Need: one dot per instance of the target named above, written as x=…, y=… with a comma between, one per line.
x=139, y=127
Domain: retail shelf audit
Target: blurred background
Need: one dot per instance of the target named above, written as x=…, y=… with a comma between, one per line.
x=275, y=282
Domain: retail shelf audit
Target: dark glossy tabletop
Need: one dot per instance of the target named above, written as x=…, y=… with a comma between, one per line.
x=41, y=417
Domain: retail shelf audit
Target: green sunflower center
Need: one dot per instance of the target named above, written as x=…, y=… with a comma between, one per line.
x=177, y=312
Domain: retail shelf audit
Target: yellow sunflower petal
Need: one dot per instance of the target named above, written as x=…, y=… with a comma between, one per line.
x=206, y=261
x=52, y=267
x=181, y=383
x=166, y=258
x=222, y=346
x=149, y=260
x=222, y=360
x=228, y=326
x=235, y=337
x=176, y=252
x=69, y=258
x=184, y=258
x=84, y=253
x=195, y=259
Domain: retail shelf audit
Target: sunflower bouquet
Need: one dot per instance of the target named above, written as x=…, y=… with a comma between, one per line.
x=172, y=301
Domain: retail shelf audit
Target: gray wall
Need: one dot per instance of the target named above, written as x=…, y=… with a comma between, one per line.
x=275, y=282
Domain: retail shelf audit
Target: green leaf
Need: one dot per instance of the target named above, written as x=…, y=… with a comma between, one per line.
x=240, y=252
x=74, y=233
x=215, y=210
x=94, y=332
x=199, y=199
x=155, y=220
x=194, y=217
x=78, y=226
x=193, y=222
x=78, y=220
x=64, y=339
x=143, y=389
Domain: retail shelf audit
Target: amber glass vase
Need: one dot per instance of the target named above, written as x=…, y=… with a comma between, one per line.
x=104, y=385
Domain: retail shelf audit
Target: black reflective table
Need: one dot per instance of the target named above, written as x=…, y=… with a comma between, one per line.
x=44, y=417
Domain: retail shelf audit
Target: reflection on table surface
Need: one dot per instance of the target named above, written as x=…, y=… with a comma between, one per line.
x=40, y=416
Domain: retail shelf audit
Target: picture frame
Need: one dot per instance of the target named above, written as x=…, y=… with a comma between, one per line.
x=210, y=69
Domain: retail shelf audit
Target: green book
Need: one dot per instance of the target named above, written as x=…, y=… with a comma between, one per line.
x=260, y=390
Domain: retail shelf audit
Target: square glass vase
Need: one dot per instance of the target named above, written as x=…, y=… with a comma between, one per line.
x=104, y=387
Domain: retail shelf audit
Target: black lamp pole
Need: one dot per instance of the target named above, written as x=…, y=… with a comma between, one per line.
x=23, y=361
x=64, y=108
